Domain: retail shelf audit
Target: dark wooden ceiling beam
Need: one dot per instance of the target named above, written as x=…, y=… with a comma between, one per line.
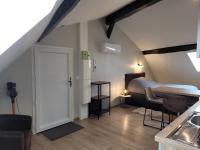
x=109, y=30
x=173, y=49
x=127, y=11
x=65, y=7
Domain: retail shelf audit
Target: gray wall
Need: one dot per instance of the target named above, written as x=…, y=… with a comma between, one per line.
x=112, y=67
x=68, y=36
x=20, y=72
x=173, y=68
x=166, y=24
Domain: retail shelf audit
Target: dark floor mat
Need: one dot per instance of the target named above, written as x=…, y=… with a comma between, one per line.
x=61, y=131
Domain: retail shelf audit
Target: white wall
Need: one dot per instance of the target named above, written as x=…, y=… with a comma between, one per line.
x=167, y=23
x=173, y=68
x=112, y=67
x=20, y=71
x=16, y=65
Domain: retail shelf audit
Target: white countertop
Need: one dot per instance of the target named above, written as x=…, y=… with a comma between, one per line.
x=162, y=136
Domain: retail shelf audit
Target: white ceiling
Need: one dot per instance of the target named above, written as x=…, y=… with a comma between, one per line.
x=92, y=9
x=167, y=23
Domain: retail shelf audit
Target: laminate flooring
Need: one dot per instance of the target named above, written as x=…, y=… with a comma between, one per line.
x=122, y=130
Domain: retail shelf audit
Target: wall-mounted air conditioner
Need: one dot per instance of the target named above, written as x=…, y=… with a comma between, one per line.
x=111, y=48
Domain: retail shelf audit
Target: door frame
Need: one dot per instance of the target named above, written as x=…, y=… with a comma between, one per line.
x=35, y=80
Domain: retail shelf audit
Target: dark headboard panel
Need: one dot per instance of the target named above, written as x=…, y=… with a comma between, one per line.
x=130, y=76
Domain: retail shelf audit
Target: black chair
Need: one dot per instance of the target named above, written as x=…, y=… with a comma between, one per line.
x=176, y=105
x=15, y=132
x=154, y=103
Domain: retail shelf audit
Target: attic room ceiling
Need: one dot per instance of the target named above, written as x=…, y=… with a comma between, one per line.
x=167, y=23
x=93, y=9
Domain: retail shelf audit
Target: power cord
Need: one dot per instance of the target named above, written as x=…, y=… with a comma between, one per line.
x=17, y=105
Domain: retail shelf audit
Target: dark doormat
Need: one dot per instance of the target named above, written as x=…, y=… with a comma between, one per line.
x=60, y=131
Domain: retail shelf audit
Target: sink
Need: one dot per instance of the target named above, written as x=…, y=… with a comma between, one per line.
x=189, y=131
x=195, y=120
x=187, y=134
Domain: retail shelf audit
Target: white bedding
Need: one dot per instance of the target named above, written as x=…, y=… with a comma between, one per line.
x=138, y=85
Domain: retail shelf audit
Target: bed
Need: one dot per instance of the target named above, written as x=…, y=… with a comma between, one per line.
x=136, y=82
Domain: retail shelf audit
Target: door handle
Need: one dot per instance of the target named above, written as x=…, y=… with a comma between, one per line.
x=70, y=81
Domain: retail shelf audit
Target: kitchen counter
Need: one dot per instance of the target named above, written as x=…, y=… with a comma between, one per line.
x=166, y=143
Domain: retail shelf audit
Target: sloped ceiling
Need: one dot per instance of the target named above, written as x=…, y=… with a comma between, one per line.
x=167, y=23
x=173, y=68
x=26, y=41
x=92, y=9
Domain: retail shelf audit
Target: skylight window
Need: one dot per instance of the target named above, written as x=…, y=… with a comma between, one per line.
x=18, y=17
x=195, y=61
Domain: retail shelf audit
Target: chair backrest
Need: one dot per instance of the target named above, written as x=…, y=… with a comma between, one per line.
x=149, y=94
x=15, y=122
x=176, y=104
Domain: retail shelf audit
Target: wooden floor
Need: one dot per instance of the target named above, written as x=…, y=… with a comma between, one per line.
x=123, y=130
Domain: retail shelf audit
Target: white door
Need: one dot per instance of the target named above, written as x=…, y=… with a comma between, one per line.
x=53, y=72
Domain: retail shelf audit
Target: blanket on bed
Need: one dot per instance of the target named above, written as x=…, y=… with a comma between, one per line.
x=138, y=85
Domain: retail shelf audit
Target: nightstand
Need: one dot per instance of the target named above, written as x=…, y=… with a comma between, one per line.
x=122, y=97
